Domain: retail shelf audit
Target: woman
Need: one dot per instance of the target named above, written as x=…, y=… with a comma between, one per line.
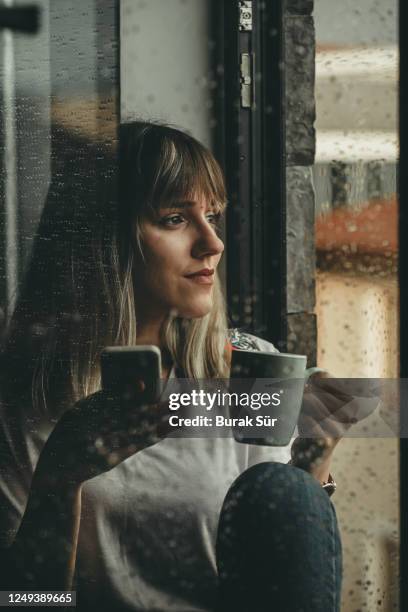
x=94, y=496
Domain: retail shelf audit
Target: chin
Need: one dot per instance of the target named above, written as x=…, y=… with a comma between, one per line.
x=195, y=311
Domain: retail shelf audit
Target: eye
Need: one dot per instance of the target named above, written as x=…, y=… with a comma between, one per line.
x=214, y=218
x=171, y=220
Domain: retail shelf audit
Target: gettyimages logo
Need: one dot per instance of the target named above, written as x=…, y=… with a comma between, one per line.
x=209, y=400
x=272, y=411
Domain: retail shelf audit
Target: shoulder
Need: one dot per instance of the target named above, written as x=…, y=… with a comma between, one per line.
x=243, y=341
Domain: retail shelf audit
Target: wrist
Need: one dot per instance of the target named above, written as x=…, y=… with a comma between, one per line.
x=321, y=470
x=314, y=456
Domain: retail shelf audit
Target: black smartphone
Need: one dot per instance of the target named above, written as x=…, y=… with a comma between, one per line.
x=123, y=366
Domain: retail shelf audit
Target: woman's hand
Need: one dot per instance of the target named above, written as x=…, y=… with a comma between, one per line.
x=100, y=432
x=330, y=407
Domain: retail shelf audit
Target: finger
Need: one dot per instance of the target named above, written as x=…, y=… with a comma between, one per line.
x=316, y=407
x=310, y=428
x=357, y=409
x=348, y=387
x=329, y=385
x=322, y=404
x=315, y=419
x=140, y=386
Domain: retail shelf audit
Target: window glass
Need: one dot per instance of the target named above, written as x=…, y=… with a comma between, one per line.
x=357, y=262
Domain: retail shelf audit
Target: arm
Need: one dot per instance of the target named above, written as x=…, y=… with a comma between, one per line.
x=314, y=455
x=321, y=468
x=44, y=551
x=331, y=406
x=92, y=438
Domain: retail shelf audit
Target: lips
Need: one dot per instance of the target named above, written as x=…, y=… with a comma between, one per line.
x=202, y=277
x=203, y=272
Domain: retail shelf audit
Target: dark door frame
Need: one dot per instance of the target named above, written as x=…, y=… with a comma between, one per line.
x=251, y=144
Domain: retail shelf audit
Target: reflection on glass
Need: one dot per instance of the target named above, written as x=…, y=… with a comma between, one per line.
x=357, y=257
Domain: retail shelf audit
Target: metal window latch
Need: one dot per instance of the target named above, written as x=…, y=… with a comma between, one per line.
x=247, y=80
x=245, y=16
x=24, y=18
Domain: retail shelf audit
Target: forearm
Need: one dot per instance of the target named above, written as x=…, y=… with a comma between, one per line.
x=314, y=456
x=321, y=470
x=44, y=551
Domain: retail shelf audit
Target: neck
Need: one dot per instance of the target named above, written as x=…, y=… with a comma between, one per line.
x=148, y=332
x=149, y=322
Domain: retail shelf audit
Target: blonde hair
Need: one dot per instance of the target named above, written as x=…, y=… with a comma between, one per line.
x=79, y=291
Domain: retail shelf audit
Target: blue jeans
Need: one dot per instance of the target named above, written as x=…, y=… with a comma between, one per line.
x=278, y=544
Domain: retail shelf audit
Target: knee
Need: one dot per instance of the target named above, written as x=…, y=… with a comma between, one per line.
x=277, y=540
x=268, y=488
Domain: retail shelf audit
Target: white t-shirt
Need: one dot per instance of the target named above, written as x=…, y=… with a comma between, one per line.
x=148, y=527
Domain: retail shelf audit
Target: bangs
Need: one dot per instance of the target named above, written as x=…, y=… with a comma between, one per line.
x=174, y=166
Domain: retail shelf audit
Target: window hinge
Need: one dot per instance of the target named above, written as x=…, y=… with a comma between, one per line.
x=247, y=80
x=245, y=16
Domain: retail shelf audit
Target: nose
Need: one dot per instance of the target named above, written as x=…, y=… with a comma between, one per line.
x=207, y=241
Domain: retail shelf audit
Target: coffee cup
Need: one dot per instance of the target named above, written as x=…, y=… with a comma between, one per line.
x=268, y=390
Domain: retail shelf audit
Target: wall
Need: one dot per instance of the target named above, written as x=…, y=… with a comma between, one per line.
x=165, y=65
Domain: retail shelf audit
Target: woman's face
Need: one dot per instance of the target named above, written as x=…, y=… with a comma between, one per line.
x=181, y=252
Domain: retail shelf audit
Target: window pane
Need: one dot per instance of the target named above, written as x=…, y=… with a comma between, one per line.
x=357, y=256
